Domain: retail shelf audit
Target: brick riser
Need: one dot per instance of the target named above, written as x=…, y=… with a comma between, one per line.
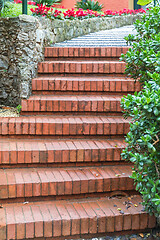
x=78, y=67
x=68, y=146
x=96, y=52
x=84, y=84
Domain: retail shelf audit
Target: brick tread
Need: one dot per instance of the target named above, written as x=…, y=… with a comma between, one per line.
x=72, y=218
x=85, y=84
x=36, y=182
x=85, y=51
x=81, y=67
x=64, y=125
x=21, y=151
x=60, y=103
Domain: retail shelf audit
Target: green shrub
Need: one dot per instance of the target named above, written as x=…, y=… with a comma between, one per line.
x=48, y=3
x=1, y=6
x=145, y=52
x=143, y=139
x=89, y=4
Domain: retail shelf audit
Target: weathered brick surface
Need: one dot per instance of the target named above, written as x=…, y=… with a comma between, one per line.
x=85, y=52
x=63, y=126
x=59, y=103
x=69, y=218
x=35, y=182
x=81, y=67
x=48, y=85
x=18, y=151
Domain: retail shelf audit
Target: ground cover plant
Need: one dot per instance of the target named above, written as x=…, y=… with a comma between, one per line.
x=143, y=139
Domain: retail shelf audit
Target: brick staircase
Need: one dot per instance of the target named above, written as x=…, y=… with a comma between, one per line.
x=61, y=167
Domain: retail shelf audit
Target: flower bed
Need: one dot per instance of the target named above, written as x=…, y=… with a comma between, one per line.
x=51, y=12
x=42, y=10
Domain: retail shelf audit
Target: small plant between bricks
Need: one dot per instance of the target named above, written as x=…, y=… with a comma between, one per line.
x=19, y=107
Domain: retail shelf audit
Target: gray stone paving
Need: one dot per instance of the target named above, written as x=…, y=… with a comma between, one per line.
x=112, y=37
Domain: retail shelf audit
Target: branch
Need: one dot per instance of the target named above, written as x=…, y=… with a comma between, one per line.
x=157, y=140
x=157, y=170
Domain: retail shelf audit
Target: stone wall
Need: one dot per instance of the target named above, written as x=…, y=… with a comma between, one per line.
x=22, y=42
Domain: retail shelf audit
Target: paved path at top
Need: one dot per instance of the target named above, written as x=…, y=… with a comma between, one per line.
x=112, y=37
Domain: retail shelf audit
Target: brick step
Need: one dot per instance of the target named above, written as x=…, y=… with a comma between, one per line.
x=74, y=151
x=70, y=103
x=63, y=126
x=40, y=182
x=85, y=52
x=87, y=67
x=84, y=84
x=73, y=218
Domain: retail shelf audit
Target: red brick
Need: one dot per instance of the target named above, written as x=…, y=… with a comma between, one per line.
x=75, y=230
x=84, y=217
x=47, y=221
x=101, y=221
x=20, y=223
x=10, y=221
x=93, y=222
x=29, y=222
x=37, y=215
x=57, y=222
x=66, y=220
x=110, y=215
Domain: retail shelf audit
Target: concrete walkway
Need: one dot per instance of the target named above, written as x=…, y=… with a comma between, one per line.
x=113, y=37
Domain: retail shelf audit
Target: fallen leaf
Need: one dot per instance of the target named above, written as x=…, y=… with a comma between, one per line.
x=119, y=209
x=141, y=235
x=135, y=205
x=121, y=212
x=128, y=207
x=117, y=175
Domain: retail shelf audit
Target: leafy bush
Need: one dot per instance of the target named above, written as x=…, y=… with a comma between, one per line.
x=48, y=3
x=145, y=52
x=1, y=6
x=89, y=4
x=143, y=139
x=146, y=2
